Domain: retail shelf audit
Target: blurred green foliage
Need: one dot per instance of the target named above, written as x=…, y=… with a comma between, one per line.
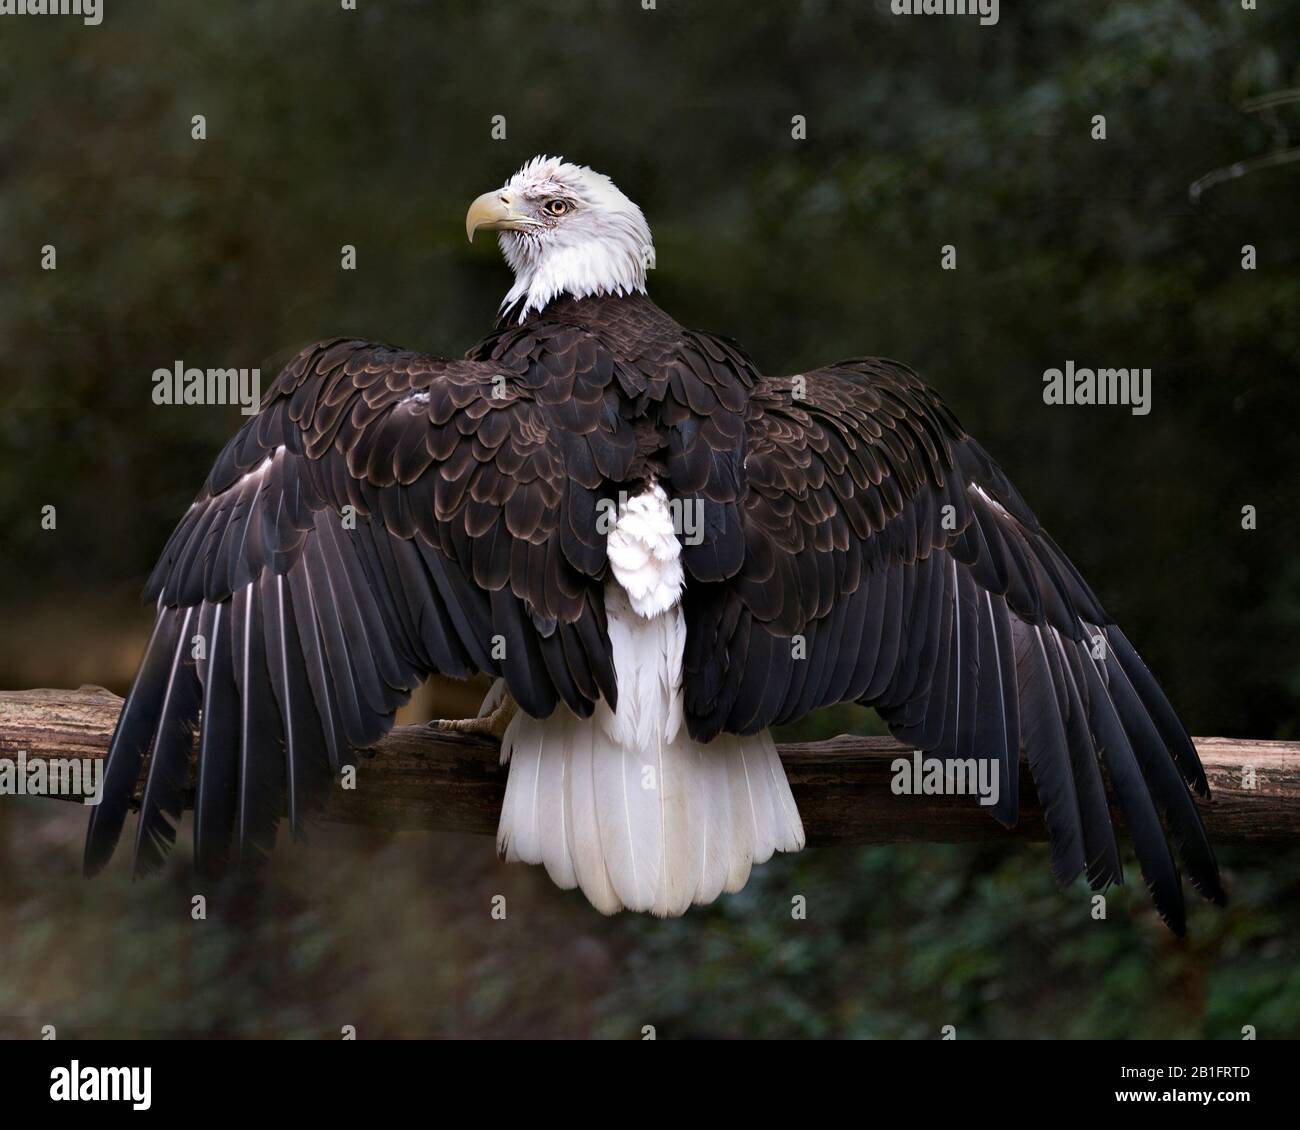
x=396, y=937
x=371, y=128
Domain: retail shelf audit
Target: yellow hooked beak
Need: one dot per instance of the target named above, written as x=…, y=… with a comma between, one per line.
x=495, y=211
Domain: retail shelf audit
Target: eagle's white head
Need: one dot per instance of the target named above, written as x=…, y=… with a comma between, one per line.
x=565, y=229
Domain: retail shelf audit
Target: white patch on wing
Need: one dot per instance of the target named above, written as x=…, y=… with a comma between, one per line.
x=993, y=502
x=644, y=553
x=256, y=473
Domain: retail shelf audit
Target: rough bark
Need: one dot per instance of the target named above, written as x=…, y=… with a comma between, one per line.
x=421, y=778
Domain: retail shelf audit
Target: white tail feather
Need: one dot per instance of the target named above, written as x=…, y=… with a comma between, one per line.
x=584, y=845
x=587, y=809
x=625, y=805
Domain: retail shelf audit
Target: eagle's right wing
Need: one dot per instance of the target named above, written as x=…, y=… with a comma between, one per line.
x=385, y=516
x=888, y=560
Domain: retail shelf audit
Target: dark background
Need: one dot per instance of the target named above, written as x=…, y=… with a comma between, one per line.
x=372, y=128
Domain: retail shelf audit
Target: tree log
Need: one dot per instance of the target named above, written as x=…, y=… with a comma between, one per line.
x=417, y=778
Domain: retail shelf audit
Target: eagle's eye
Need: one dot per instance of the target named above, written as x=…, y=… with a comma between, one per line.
x=557, y=207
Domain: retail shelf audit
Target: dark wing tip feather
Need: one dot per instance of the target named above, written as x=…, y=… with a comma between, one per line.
x=163, y=800
x=132, y=738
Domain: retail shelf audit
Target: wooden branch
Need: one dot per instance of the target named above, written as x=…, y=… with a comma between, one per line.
x=418, y=778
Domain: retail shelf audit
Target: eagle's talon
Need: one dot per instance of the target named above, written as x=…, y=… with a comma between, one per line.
x=493, y=724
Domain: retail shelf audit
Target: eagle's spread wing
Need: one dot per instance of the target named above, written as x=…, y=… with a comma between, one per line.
x=385, y=516
x=888, y=560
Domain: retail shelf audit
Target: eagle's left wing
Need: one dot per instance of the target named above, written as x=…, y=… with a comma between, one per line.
x=386, y=515
x=888, y=560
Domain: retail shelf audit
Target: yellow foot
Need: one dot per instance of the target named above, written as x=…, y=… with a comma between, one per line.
x=494, y=723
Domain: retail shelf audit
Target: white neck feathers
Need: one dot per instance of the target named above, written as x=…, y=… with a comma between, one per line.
x=593, y=266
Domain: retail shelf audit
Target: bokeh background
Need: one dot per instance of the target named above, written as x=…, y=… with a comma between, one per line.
x=372, y=127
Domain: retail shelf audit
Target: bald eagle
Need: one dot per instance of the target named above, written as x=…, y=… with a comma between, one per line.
x=659, y=553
